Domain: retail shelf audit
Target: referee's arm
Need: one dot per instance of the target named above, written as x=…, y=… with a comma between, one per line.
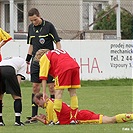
x=58, y=45
x=30, y=49
x=29, y=55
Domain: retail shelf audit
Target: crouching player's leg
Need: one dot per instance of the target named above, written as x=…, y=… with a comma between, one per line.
x=73, y=105
x=74, y=82
x=1, y=118
x=17, y=110
x=58, y=103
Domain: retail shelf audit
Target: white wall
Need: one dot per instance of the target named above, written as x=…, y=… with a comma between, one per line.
x=95, y=58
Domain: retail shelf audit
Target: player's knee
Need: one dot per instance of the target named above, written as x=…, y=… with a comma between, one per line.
x=36, y=88
x=58, y=94
x=16, y=97
x=51, y=88
x=51, y=91
x=72, y=92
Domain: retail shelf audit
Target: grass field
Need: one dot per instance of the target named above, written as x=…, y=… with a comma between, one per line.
x=104, y=97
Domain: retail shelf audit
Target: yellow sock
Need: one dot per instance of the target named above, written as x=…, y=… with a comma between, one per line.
x=124, y=117
x=74, y=107
x=55, y=119
x=57, y=105
x=74, y=102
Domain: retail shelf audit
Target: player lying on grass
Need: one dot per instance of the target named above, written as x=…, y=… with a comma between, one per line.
x=82, y=116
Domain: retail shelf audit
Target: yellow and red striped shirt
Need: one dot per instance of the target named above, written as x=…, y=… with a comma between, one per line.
x=56, y=62
x=4, y=36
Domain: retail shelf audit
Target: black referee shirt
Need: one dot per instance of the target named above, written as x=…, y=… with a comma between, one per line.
x=42, y=36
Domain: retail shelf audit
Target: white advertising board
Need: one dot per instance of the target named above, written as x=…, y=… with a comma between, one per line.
x=98, y=60
x=102, y=59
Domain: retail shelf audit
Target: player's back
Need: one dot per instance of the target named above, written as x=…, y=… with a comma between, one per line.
x=17, y=63
x=61, y=61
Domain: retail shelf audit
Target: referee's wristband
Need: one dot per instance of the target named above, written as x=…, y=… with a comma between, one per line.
x=28, y=58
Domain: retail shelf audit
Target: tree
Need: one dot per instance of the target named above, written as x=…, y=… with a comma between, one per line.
x=109, y=22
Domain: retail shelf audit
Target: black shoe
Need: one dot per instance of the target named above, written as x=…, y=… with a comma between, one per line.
x=29, y=117
x=52, y=123
x=30, y=121
x=57, y=123
x=19, y=124
x=2, y=124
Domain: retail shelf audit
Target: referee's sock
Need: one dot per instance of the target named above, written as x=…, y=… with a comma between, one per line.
x=34, y=107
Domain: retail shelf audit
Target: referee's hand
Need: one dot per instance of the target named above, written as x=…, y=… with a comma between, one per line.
x=27, y=69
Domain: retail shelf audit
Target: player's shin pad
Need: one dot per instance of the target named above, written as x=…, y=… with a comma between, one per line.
x=57, y=105
x=124, y=117
x=57, y=108
x=74, y=102
x=74, y=107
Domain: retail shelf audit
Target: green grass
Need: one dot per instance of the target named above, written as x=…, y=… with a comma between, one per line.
x=109, y=82
x=104, y=97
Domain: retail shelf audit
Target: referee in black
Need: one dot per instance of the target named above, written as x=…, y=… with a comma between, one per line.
x=41, y=35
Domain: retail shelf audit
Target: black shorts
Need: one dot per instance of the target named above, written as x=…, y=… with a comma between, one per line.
x=8, y=81
x=34, y=70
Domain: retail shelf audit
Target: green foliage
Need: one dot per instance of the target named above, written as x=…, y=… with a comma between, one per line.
x=127, y=25
x=109, y=23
